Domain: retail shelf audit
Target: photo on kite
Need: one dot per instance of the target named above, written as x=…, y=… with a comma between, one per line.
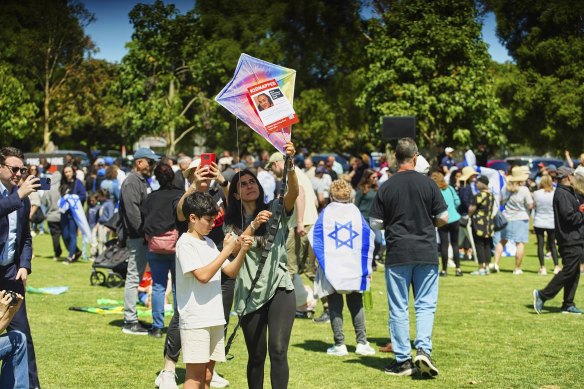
x=274, y=109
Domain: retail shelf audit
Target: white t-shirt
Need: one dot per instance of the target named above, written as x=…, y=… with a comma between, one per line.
x=199, y=305
x=544, y=209
x=310, y=211
x=268, y=183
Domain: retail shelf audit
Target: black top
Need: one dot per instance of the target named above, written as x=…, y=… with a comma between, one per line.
x=158, y=213
x=407, y=203
x=569, y=221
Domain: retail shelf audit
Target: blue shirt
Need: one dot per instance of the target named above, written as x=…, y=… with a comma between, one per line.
x=7, y=255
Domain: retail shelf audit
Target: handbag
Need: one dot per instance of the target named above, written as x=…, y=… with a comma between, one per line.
x=38, y=216
x=164, y=243
x=500, y=221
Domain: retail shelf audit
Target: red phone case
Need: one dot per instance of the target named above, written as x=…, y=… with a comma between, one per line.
x=207, y=158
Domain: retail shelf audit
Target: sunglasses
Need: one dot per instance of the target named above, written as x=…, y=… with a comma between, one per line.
x=15, y=169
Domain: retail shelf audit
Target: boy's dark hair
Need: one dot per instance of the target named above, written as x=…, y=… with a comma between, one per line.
x=200, y=204
x=6, y=152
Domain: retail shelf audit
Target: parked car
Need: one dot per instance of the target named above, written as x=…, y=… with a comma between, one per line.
x=498, y=164
x=533, y=162
x=316, y=158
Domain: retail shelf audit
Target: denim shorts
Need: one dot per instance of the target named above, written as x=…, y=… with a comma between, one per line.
x=516, y=231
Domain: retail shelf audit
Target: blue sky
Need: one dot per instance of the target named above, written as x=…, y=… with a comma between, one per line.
x=112, y=30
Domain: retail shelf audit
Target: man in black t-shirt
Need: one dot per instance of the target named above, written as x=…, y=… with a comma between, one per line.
x=408, y=206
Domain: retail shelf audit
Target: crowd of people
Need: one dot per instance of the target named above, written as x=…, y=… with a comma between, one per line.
x=239, y=234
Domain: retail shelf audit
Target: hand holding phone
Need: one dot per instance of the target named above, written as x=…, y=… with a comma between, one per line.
x=207, y=159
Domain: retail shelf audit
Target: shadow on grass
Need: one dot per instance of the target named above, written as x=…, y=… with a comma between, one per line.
x=544, y=311
x=372, y=362
x=313, y=345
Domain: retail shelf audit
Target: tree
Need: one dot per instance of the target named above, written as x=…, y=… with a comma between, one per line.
x=16, y=111
x=46, y=43
x=545, y=95
x=428, y=60
x=162, y=75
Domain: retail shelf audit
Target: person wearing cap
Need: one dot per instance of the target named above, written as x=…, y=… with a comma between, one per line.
x=133, y=193
x=569, y=223
x=483, y=226
x=300, y=257
x=518, y=204
x=408, y=207
x=447, y=162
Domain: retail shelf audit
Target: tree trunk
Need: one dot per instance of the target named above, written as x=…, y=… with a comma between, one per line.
x=46, y=108
x=171, y=130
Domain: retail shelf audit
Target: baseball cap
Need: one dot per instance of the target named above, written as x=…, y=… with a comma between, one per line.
x=564, y=171
x=448, y=150
x=579, y=171
x=194, y=164
x=276, y=157
x=100, y=161
x=145, y=152
x=239, y=165
x=551, y=168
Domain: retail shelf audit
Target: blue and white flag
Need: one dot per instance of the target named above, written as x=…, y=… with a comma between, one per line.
x=343, y=245
x=71, y=202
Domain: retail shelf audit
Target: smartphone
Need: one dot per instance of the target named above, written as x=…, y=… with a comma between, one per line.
x=207, y=159
x=45, y=183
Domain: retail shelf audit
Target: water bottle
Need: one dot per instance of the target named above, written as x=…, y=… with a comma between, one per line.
x=368, y=300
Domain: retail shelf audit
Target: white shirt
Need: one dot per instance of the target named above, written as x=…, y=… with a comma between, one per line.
x=544, y=209
x=7, y=255
x=199, y=305
x=310, y=211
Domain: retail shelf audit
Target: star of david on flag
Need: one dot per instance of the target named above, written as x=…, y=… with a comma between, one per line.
x=343, y=245
x=338, y=235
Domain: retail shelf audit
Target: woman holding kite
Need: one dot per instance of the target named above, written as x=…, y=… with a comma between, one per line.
x=271, y=304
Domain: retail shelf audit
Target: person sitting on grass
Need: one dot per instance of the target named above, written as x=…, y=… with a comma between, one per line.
x=198, y=289
x=13, y=352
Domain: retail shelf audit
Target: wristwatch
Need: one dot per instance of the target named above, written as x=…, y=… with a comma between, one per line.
x=224, y=183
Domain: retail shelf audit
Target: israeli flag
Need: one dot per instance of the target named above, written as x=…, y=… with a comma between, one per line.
x=343, y=245
x=71, y=202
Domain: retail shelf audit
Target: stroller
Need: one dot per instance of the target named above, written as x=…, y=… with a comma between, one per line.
x=114, y=258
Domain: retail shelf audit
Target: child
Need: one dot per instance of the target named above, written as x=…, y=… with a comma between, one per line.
x=106, y=211
x=198, y=289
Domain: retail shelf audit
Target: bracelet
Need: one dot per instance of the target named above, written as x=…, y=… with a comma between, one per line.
x=252, y=225
x=290, y=165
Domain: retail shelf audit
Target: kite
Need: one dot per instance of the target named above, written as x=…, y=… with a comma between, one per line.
x=261, y=95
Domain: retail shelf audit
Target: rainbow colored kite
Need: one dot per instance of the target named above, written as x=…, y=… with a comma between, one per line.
x=251, y=76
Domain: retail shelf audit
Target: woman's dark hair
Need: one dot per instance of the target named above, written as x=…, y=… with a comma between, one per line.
x=66, y=185
x=165, y=175
x=365, y=184
x=234, y=211
x=199, y=204
x=269, y=100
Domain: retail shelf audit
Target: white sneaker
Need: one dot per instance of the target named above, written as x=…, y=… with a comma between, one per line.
x=542, y=272
x=339, y=351
x=364, y=349
x=218, y=382
x=517, y=272
x=451, y=263
x=166, y=380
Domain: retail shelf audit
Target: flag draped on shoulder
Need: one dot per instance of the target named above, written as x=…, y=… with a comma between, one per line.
x=73, y=203
x=343, y=245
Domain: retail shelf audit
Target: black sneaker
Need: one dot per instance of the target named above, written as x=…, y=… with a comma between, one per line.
x=155, y=333
x=324, y=318
x=134, y=329
x=443, y=273
x=404, y=368
x=424, y=364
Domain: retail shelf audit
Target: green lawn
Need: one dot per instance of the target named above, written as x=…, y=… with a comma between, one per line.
x=486, y=335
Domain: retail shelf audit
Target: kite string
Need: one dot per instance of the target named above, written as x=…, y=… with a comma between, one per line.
x=239, y=180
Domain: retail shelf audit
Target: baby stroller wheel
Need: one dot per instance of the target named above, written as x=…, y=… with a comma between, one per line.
x=114, y=280
x=97, y=278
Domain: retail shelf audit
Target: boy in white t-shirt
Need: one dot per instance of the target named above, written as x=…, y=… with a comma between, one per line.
x=198, y=289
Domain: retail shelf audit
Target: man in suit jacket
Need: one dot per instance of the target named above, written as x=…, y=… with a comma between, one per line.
x=16, y=241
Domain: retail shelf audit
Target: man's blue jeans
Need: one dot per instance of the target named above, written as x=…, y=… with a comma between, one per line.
x=160, y=265
x=424, y=281
x=14, y=358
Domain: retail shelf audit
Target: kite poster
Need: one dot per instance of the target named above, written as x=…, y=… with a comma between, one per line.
x=274, y=109
x=237, y=98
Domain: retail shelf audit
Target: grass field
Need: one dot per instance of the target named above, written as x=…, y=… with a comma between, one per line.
x=486, y=335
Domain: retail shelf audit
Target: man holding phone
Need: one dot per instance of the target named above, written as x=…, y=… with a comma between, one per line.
x=16, y=241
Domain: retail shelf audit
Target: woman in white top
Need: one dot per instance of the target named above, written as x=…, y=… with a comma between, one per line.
x=517, y=206
x=543, y=222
